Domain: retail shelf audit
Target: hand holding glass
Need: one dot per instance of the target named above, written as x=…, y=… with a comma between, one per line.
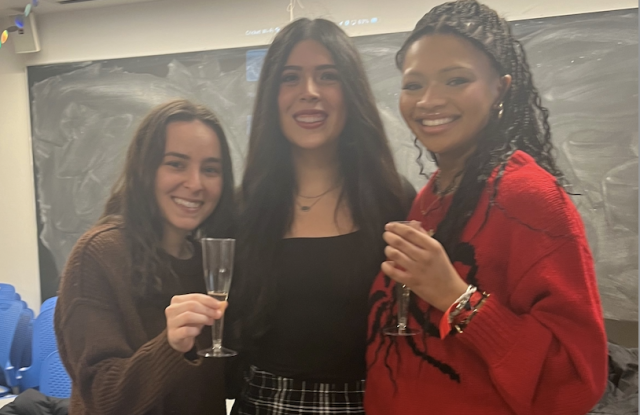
x=403, y=294
x=217, y=258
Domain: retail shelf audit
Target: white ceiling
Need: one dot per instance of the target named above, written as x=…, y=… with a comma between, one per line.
x=11, y=7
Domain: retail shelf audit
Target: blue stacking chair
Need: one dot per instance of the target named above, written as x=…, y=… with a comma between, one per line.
x=44, y=343
x=26, y=357
x=7, y=291
x=20, y=355
x=21, y=348
x=49, y=303
x=10, y=313
x=54, y=379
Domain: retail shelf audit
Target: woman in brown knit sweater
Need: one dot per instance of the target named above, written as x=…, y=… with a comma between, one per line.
x=132, y=310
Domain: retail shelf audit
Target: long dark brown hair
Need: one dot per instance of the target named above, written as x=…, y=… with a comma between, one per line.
x=524, y=123
x=372, y=187
x=133, y=200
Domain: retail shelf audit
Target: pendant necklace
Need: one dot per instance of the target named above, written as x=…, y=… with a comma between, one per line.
x=307, y=207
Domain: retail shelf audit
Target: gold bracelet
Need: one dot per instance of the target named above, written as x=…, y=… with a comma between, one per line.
x=460, y=327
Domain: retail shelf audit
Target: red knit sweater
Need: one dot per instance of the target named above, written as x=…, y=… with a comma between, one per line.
x=537, y=346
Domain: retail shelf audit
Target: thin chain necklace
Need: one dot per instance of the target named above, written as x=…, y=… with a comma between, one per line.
x=451, y=188
x=306, y=208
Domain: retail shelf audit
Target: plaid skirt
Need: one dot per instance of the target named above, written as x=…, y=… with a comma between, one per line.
x=268, y=394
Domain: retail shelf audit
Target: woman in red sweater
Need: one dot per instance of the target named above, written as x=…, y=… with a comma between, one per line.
x=505, y=293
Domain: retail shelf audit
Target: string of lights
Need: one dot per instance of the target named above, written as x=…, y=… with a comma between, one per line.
x=18, y=22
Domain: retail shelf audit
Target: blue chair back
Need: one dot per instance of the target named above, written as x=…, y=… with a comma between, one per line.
x=7, y=291
x=49, y=303
x=10, y=313
x=20, y=355
x=21, y=348
x=54, y=380
x=44, y=343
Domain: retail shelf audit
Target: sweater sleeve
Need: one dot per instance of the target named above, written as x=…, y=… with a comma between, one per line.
x=558, y=345
x=109, y=375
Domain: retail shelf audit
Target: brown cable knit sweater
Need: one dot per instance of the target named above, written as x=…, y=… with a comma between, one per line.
x=115, y=346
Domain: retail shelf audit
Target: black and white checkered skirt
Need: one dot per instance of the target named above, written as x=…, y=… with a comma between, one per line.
x=268, y=394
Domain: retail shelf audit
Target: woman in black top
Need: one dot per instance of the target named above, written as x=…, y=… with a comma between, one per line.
x=319, y=186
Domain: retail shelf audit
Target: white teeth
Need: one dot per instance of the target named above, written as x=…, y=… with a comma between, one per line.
x=186, y=203
x=310, y=118
x=440, y=121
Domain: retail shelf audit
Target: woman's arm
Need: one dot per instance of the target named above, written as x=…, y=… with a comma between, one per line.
x=553, y=359
x=543, y=340
x=110, y=376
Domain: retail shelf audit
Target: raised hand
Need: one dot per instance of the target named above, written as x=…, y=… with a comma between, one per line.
x=187, y=315
x=421, y=263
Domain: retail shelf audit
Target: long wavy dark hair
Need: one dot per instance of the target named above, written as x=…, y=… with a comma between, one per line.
x=524, y=124
x=371, y=185
x=133, y=201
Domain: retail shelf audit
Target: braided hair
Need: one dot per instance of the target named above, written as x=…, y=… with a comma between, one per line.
x=523, y=125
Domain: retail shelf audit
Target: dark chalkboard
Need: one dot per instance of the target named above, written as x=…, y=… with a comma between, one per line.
x=586, y=67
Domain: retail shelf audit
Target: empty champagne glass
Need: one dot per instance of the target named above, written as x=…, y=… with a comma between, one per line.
x=403, y=294
x=217, y=258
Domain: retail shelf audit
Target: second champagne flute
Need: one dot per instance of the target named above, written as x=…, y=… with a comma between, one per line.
x=217, y=259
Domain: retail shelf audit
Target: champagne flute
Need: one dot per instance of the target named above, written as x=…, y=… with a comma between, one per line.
x=217, y=258
x=403, y=295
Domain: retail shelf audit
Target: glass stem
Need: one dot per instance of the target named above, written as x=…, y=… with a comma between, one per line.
x=403, y=306
x=216, y=334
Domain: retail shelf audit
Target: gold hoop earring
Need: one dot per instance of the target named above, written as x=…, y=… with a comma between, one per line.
x=500, y=110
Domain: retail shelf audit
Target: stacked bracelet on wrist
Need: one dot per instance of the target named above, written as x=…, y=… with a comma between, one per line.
x=462, y=319
x=461, y=304
x=458, y=316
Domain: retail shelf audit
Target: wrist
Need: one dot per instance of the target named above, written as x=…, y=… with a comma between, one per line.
x=459, y=315
x=462, y=320
x=452, y=297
